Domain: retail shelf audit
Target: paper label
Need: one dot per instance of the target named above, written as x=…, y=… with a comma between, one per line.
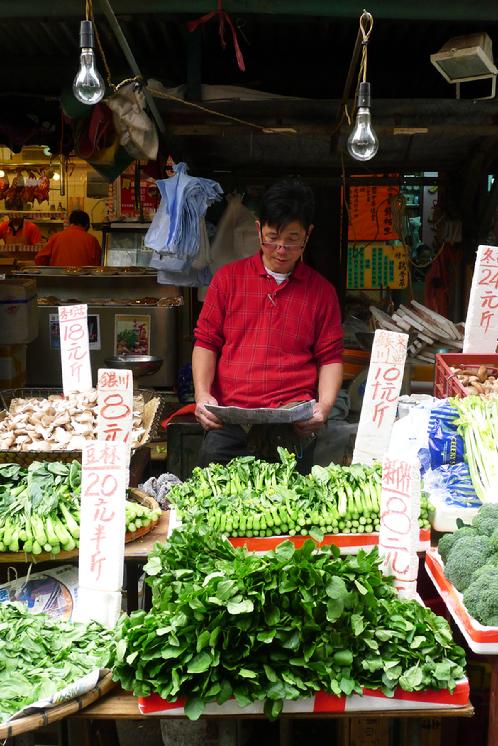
x=75, y=350
x=399, y=527
x=380, y=400
x=102, y=531
x=115, y=405
x=481, y=325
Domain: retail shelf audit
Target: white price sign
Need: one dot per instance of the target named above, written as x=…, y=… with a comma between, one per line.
x=399, y=522
x=102, y=531
x=115, y=405
x=380, y=400
x=75, y=350
x=481, y=325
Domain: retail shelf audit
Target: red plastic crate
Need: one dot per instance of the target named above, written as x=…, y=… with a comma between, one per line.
x=446, y=383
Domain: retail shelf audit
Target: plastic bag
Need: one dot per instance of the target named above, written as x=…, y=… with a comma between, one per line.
x=156, y=237
x=137, y=132
x=446, y=446
x=452, y=484
x=237, y=235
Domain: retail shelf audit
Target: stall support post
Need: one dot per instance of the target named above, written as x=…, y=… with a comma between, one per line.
x=493, y=703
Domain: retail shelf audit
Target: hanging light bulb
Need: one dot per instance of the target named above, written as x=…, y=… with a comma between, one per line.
x=2, y=173
x=56, y=176
x=363, y=143
x=88, y=86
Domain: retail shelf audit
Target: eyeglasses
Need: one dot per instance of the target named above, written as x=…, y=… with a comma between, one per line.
x=273, y=245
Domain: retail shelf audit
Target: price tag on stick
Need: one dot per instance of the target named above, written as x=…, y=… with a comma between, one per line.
x=399, y=526
x=75, y=349
x=380, y=400
x=115, y=405
x=105, y=467
x=481, y=325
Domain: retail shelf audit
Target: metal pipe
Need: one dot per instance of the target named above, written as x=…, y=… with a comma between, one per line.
x=130, y=58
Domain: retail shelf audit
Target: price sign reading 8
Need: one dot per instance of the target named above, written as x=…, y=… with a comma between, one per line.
x=115, y=405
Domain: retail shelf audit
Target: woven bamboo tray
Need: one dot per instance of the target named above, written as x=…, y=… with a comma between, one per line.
x=134, y=494
x=25, y=458
x=52, y=714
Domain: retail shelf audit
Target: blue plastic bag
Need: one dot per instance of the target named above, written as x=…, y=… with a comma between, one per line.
x=446, y=446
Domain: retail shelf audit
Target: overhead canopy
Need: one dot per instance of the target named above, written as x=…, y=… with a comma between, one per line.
x=297, y=49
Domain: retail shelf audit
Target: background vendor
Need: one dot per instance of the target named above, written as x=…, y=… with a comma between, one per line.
x=17, y=230
x=269, y=334
x=73, y=247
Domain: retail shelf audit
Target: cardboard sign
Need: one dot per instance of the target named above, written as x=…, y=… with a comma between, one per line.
x=380, y=400
x=102, y=530
x=115, y=405
x=399, y=527
x=376, y=265
x=370, y=216
x=75, y=351
x=481, y=325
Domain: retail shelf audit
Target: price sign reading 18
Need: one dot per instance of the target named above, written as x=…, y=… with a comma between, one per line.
x=102, y=531
x=115, y=405
x=75, y=350
x=481, y=326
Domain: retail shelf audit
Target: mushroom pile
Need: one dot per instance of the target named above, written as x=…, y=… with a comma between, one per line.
x=57, y=423
x=482, y=381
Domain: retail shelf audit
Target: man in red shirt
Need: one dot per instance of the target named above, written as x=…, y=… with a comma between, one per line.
x=73, y=247
x=269, y=334
x=17, y=230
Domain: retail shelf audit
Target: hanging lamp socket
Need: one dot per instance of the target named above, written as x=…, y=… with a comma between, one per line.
x=364, y=95
x=86, y=35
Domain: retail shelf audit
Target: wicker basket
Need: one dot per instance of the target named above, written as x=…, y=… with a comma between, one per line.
x=133, y=494
x=25, y=458
x=52, y=714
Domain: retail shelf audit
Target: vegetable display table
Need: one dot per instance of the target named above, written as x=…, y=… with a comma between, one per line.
x=120, y=705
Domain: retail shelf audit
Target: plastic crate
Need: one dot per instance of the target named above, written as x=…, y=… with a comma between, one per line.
x=446, y=383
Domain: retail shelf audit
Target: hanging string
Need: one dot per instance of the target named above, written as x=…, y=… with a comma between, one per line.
x=90, y=17
x=265, y=130
x=224, y=17
x=366, y=26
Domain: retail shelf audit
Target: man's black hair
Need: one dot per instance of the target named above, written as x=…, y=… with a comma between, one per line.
x=286, y=201
x=81, y=218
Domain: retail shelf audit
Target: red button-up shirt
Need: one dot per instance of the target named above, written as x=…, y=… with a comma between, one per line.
x=270, y=339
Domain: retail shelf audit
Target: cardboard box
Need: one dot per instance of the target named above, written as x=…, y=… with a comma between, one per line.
x=18, y=311
x=369, y=732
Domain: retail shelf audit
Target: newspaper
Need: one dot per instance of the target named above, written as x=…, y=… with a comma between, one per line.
x=263, y=415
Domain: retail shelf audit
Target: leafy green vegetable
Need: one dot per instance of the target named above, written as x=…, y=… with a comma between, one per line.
x=40, y=508
x=279, y=626
x=40, y=655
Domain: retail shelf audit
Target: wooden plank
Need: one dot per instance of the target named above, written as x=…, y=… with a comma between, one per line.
x=120, y=705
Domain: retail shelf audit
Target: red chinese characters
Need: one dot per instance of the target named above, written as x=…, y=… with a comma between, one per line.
x=115, y=405
x=103, y=494
x=399, y=531
x=75, y=352
x=481, y=326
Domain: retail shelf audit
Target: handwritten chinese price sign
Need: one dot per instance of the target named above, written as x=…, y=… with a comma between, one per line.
x=115, y=405
x=399, y=528
x=75, y=350
x=102, y=530
x=380, y=400
x=481, y=326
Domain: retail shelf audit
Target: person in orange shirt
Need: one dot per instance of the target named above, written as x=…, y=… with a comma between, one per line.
x=73, y=247
x=17, y=230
